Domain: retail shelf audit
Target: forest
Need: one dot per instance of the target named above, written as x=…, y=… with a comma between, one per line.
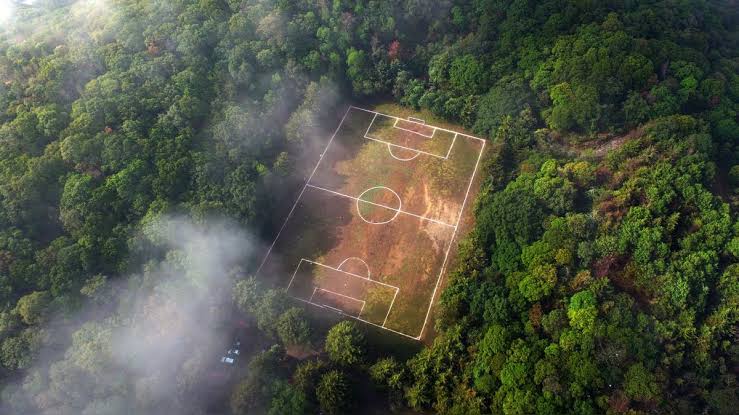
x=149, y=148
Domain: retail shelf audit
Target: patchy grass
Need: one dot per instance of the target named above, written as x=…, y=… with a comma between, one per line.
x=371, y=233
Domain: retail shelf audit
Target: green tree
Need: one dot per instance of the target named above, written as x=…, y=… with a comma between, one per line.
x=734, y=177
x=358, y=71
x=32, y=307
x=389, y=375
x=582, y=311
x=640, y=384
x=76, y=209
x=466, y=74
x=508, y=96
x=345, y=344
x=573, y=107
x=308, y=373
x=288, y=400
x=257, y=390
x=334, y=393
x=636, y=109
x=293, y=327
x=270, y=307
x=243, y=397
x=18, y=352
x=246, y=294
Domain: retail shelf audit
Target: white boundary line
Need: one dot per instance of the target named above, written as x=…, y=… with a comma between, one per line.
x=454, y=140
x=386, y=207
x=315, y=289
x=356, y=318
x=397, y=211
x=451, y=242
x=395, y=125
x=446, y=256
x=390, y=309
x=338, y=310
x=390, y=150
x=369, y=273
x=416, y=120
x=310, y=300
x=438, y=128
x=367, y=136
x=303, y=190
x=370, y=124
x=406, y=148
x=337, y=270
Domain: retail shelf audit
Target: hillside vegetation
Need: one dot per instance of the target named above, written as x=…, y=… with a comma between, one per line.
x=137, y=136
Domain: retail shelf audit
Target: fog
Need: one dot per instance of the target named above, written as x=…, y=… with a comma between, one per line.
x=150, y=341
x=7, y=11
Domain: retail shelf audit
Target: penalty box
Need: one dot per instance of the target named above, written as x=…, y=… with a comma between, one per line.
x=411, y=135
x=372, y=229
x=343, y=291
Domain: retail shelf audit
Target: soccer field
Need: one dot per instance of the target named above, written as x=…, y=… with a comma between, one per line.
x=370, y=233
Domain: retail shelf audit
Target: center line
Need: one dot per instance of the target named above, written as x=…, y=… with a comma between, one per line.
x=386, y=207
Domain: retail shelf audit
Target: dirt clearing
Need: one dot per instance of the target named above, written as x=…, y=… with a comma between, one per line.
x=370, y=234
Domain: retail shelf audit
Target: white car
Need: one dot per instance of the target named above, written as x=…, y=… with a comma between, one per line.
x=227, y=360
x=234, y=352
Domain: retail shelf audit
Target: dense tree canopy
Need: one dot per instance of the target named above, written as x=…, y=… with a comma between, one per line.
x=600, y=275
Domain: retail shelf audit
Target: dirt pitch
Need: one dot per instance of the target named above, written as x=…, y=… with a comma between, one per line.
x=371, y=231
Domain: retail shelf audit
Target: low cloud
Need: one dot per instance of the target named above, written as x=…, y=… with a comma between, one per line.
x=150, y=342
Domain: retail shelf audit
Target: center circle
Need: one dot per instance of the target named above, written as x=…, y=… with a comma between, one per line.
x=378, y=205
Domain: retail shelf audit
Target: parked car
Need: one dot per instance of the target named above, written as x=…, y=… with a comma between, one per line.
x=232, y=353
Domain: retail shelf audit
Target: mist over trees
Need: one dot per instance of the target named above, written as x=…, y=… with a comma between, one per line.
x=147, y=146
